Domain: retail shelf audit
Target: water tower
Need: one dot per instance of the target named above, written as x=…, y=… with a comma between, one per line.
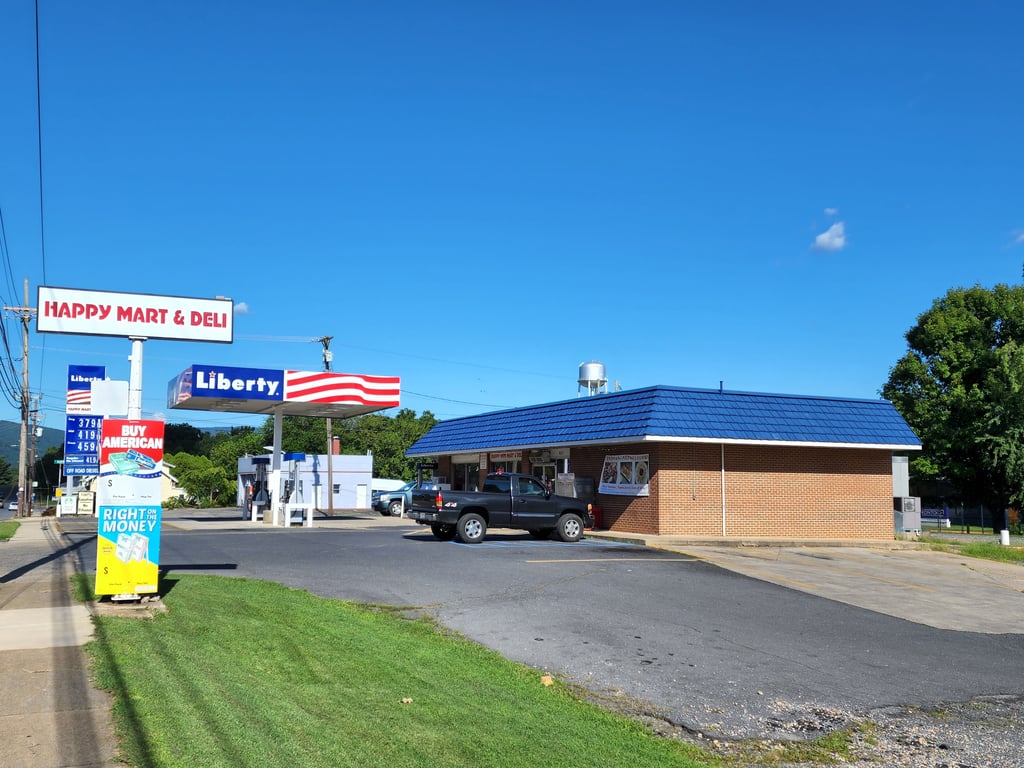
x=592, y=376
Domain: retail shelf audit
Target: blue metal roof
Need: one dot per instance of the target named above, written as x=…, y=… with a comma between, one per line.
x=676, y=414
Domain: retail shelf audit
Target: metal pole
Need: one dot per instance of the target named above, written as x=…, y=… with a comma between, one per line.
x=135, y=379
x=326, y=341
x=32, y=454
x=23, y=508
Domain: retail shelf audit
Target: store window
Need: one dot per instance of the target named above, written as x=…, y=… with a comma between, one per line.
x=466, y=477
x=511, y=465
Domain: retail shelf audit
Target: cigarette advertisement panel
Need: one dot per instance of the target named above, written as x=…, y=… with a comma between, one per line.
x=128, y=495
x=107, y=313
x=626, y=475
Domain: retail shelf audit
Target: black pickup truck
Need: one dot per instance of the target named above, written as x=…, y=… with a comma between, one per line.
x=507, y=500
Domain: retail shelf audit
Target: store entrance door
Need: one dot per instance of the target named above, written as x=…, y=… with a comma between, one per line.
x=546, y=474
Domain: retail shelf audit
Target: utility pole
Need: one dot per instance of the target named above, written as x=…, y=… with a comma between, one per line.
x=328, y=356
x=25, y=313
x=34, y=431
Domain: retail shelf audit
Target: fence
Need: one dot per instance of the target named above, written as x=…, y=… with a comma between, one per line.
x=965, y=518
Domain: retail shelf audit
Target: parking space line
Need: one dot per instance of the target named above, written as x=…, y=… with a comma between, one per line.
x=680, y=559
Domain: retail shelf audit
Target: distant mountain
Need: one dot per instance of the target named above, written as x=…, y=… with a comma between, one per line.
x=10, y=440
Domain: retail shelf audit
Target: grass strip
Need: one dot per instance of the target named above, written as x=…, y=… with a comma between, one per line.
x=7, y=529
x=249, y=673
x=989, y=551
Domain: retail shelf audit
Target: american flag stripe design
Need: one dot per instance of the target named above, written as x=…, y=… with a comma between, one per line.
x=79, y=396
x=328, y=387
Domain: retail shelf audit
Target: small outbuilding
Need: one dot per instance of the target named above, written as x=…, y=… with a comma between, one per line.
x=695, y=462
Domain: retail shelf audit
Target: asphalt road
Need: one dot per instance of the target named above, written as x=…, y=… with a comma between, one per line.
x=700, y=646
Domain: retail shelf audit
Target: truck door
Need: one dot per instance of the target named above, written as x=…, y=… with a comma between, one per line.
x=530, y=505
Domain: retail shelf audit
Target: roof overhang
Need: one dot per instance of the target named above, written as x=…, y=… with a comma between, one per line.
x=291, y=393
x=673, y=439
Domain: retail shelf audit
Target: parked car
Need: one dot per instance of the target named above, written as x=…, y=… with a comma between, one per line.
x=12, y=505
x=507, y=501
x=390, y=502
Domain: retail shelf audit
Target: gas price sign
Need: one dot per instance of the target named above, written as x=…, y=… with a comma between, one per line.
x=82, y=445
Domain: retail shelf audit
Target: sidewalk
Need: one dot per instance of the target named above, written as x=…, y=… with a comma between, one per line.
x=53, y=717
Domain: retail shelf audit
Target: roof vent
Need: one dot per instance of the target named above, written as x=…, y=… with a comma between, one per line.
x=592, y=376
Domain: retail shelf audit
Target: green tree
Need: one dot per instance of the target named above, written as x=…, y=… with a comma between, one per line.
x=386, y=437
x=958, y=388
x=8, y=474
x=226, y=451
x=182, y=437
x=46, y=472
x=201, y=479
x=389, y=438
x=1003, y=442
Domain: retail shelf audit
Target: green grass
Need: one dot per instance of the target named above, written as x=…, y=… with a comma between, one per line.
x=249, y=673
x=984, y=550
x=990, y=551
x=7, y=529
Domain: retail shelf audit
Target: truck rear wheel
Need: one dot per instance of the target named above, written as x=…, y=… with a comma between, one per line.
x=570, y=527
x=443, y=531
x=472, y=528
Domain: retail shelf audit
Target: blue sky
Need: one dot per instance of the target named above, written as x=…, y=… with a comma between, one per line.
x=479, y=196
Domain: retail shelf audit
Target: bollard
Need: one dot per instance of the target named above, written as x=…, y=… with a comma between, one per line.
x=1004, y=538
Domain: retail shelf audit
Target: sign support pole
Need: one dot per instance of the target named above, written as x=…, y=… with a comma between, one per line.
x=275, y=469
x=135, y=379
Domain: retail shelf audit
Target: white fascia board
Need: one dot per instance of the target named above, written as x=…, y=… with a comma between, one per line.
x=662, y=439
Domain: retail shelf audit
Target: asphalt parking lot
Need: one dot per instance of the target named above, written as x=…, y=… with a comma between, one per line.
x=734, y=641
x=936, y=589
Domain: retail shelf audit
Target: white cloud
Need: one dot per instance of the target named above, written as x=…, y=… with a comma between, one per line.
x=832, y=239
x=831, y=211
x=1019, y=240
x=241, y=308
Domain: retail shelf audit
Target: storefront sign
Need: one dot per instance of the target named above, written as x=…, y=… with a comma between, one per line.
x=80, y=380
x=199, y=385
x=106, y=313
x=626, y=475
x=129, y=486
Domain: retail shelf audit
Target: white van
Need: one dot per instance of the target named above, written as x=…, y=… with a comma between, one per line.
x=380, y=484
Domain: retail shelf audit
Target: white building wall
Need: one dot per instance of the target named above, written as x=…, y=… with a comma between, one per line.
x=352, y=476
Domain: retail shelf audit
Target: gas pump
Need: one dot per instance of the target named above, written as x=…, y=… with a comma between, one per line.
x=260, y=499
x=292, y=491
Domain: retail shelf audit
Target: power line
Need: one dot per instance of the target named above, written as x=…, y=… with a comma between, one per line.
x=39, y=148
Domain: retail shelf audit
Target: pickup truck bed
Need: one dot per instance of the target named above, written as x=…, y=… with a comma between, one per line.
x=508, y=500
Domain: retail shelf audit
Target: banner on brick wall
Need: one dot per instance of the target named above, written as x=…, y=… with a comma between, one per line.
x=626, y=475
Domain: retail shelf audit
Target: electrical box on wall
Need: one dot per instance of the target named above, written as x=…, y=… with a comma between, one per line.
x=900, y=476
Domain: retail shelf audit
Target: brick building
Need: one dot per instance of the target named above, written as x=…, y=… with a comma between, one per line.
x=693, y=462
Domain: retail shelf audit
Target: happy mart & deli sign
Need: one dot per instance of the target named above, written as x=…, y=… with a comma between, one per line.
x=108, y=313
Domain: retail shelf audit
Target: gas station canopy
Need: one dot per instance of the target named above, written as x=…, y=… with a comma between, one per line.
x=288, y=393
